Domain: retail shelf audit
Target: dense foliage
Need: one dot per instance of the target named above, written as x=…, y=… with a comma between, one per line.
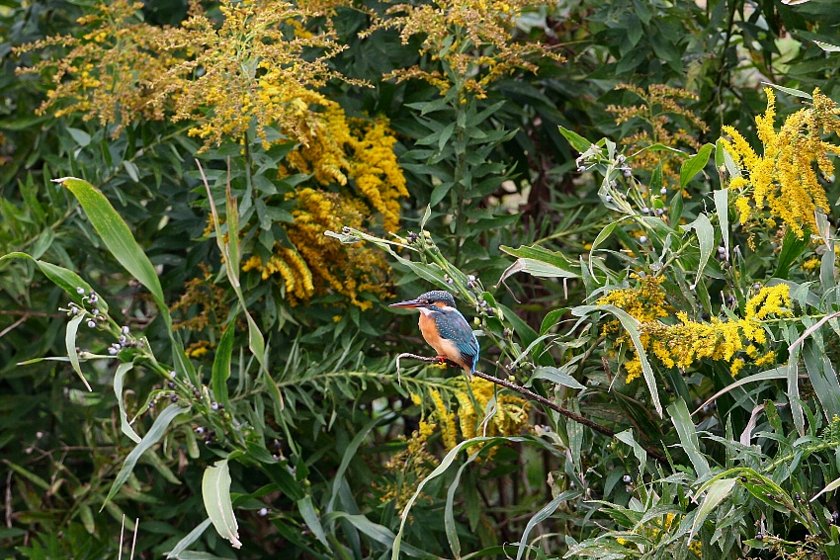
x=207, y=207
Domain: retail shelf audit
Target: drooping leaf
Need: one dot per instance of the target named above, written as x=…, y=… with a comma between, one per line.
x=119, y=377
x=70, y=343
x=695, y=164
x=154, y=434
x=215, y=491
x=117, y=237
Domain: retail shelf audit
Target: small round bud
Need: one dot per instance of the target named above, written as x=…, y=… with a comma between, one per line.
x=627, y=479
x=581, y=169
x=609, y=198
x=80, y=290
x=214, y=405
x=645, y=210
x=122, y=339
x=643, y=239
x=91, y=323
x=660, y=211
x=262, y=512
x=627, y=173
x=199, y=430
x=124, y=330
x=113, y=351
x=663, y=190
x=173, y=373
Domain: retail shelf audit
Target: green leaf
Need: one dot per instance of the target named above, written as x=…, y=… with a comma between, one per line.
x=118, y=238
x=688, y=436
x=125, y=426
x=190, y=538
x=830, y=487
x=627, y=437
x=378, y=533
x=310, y=517
x=716, y=492
x=448, y=459
x=70, y=343
x=221, y=365
x=777, y=373
x=578, y=142
x=792, y=248
x=65, y=279
x=790, y=91
x=706, y=236
x=630, y=325
x=81, y=137
x=541, y=515
x=823, y=379
x=722, y=208
x=695, y=164
x=152, y=437
x=449, y=510
x=215, y=491
x=348, y=455
x=557, y=376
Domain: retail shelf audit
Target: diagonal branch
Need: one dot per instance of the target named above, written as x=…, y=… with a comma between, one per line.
x=530, y=395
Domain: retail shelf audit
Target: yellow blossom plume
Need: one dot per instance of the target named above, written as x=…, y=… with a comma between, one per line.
x=319, y=264
x=687, y=342
x=783, y=181
x=660, y=118
x=473, y=40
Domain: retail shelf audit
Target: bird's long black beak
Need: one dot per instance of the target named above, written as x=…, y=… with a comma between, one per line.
x=409, y=303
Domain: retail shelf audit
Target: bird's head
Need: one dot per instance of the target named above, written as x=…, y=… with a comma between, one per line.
x=430, y=301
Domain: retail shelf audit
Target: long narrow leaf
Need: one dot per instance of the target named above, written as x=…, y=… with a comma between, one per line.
x=70, y=343
x=215, y=491
x=152, y=437
x=543, y=514
x=688, y=436
x=118, y=238
x=191, y=537
x=64, y=278
x=221, y=365
x=717, y=491
x=125, y=426
x=630, y=325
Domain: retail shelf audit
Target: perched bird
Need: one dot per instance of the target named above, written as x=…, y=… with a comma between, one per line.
x=445, y=329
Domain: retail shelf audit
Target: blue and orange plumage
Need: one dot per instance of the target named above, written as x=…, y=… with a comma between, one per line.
x=445, y=329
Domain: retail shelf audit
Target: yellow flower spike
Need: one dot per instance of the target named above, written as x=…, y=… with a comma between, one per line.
x=784, y=181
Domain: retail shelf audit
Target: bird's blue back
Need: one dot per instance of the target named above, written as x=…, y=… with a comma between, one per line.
x=453, y=326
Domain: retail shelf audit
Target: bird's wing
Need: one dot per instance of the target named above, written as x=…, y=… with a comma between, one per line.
x=459, y=331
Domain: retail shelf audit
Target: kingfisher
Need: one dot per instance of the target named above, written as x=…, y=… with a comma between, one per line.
x=445, y=329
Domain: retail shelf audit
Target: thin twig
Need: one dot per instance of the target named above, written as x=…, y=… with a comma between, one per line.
x=14, y=325
x=530, y=395
x=134, y=538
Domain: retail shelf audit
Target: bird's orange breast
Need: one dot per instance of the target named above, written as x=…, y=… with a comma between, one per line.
x=442, y=346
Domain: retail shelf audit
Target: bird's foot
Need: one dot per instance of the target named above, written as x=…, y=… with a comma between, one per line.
x=441, y=361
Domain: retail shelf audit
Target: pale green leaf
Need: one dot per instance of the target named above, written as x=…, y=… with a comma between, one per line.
x=215, y=491
x=125, y=426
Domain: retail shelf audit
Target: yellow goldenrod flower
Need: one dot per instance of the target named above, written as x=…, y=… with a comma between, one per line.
x=783, y=181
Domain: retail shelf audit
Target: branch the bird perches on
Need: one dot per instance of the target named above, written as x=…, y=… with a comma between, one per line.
x=532, y=396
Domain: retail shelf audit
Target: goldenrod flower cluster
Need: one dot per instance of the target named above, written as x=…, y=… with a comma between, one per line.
x=663, y=119
x=687, y=342
x=318, y=264
x=208, y=300
x=472, y=397
x=247, y=72
x=336, y=152
x=473, y=39
x=783, y=182
x=250, y=69
x=408, y=467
